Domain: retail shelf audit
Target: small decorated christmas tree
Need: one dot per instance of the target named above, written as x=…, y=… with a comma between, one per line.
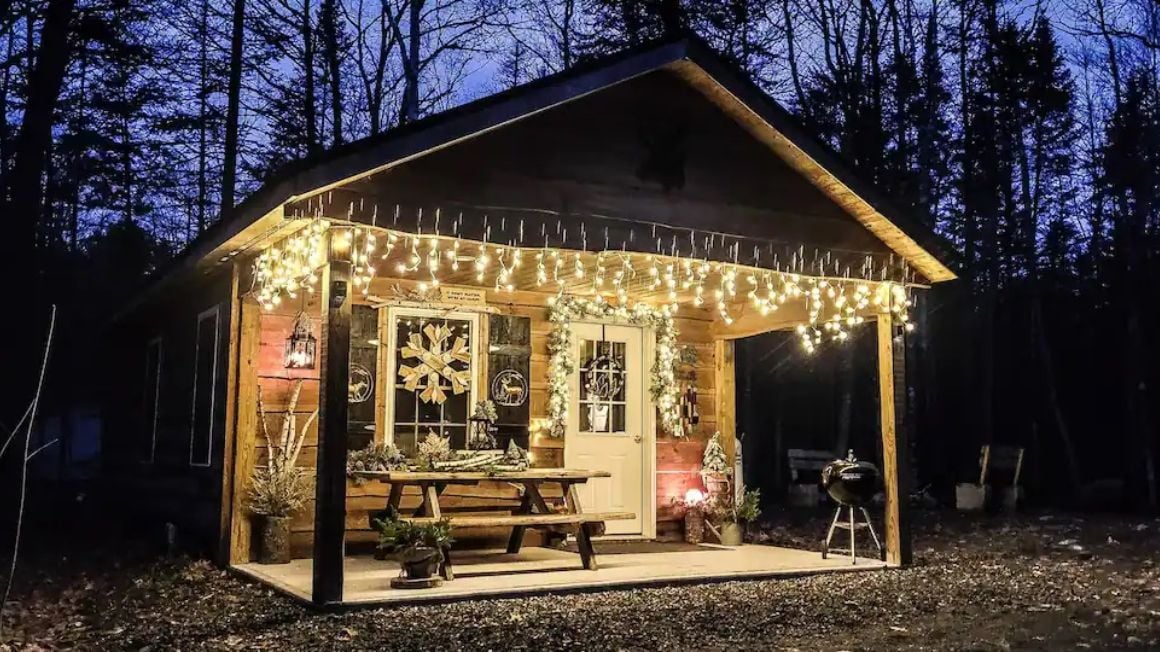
x=714, y=462
x=715, y=470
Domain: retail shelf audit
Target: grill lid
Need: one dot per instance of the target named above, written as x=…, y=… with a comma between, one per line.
x=851, y=481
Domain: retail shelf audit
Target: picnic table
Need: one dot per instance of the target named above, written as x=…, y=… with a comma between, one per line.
x=533, y=510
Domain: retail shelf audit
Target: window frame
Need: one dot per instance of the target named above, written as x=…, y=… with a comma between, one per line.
x=201, y=317
x=390, y=379
x=159, y=342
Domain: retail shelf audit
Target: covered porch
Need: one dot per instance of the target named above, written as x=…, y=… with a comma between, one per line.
x=694, y=304
x=495, y=573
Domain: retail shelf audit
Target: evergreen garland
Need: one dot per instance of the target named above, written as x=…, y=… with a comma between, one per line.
x=564, y=309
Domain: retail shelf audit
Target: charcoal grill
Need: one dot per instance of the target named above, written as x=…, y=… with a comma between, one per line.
x=852, y=484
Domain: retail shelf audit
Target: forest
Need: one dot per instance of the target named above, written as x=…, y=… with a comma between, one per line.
x=1026, y=133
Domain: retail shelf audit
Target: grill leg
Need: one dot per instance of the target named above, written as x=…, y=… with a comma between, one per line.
x=830, y=534
x=873, y=535
x=853, y=556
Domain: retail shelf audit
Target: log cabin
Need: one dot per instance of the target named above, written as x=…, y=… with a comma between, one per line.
x=648, y=208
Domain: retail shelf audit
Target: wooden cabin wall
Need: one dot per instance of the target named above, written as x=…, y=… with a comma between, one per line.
x=649, y=150
x=168, y=488
x=678, y=461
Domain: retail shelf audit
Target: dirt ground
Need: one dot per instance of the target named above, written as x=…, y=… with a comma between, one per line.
x=1043, y=581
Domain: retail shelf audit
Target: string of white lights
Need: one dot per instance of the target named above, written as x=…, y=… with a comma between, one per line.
x=833, y=305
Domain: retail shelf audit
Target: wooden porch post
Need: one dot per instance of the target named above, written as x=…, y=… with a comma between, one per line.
x=892, y=392
x=241, y=421
x=330, y=477
x=725, y=384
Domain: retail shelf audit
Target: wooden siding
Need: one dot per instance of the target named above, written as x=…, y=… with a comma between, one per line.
x=678, y=461
x=168, y=488
x=651, y=150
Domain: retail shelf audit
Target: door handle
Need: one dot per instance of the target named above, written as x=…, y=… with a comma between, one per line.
x=637, y=438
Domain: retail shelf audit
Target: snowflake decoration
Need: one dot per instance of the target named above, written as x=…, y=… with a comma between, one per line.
x=436, y=362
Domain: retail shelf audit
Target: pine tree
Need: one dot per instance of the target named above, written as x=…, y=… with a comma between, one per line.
x=620, y=24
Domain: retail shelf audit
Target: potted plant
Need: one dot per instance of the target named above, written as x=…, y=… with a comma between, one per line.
x=732, y=513
x=278, y=489
x=418, y=547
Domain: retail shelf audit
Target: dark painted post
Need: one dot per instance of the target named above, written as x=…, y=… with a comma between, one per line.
x=330, y=478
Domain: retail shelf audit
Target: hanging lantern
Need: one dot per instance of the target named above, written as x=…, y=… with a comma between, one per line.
x=301, y=345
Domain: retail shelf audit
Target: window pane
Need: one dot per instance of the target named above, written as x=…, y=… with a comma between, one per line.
x=458, y=435
x=405, y=439
x=455, y=408
x=404, y=406
x=598, y=417
x=617, y=418
x=429, y=412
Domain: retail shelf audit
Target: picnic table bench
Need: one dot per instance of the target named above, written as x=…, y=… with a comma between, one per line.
x=533, y=511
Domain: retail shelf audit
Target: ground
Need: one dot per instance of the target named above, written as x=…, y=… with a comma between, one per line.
x=1042, y=581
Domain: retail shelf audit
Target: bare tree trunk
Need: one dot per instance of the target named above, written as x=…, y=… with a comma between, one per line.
x=1139, y=424
x=791, y=56
x=672, y=18
x=310, y=101
x=202, y=118
x=410, y=111
x=1113, y=58
x=233, y=106
x=409, y=57
x=845, y=399
x=127, y=167
x=5, y=85
x=1048, y=365
x=566, y=34
x=329, y=21
x=25, y=192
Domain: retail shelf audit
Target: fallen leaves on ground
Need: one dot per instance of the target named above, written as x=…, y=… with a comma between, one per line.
x=1040, y=582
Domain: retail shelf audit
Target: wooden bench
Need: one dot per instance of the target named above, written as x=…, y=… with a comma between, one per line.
x=526, y=520
x=805, y=460
x=801, y=459
x=1000, y=458
x=585, y=525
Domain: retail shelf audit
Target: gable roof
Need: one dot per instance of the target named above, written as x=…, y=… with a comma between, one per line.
x=689, y=58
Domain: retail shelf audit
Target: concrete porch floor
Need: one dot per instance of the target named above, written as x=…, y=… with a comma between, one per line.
x=494, y=573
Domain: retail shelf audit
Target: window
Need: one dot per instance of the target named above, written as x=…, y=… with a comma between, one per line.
x=431, y=373
x=150, y=400
x=603, y=378
x=205, y=361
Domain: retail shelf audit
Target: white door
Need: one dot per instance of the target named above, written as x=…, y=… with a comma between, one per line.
x=606, y=422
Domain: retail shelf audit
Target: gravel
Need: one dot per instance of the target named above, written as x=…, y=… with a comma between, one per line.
x=1034, y=582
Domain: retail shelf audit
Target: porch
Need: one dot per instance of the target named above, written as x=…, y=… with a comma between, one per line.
x=493, y=573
